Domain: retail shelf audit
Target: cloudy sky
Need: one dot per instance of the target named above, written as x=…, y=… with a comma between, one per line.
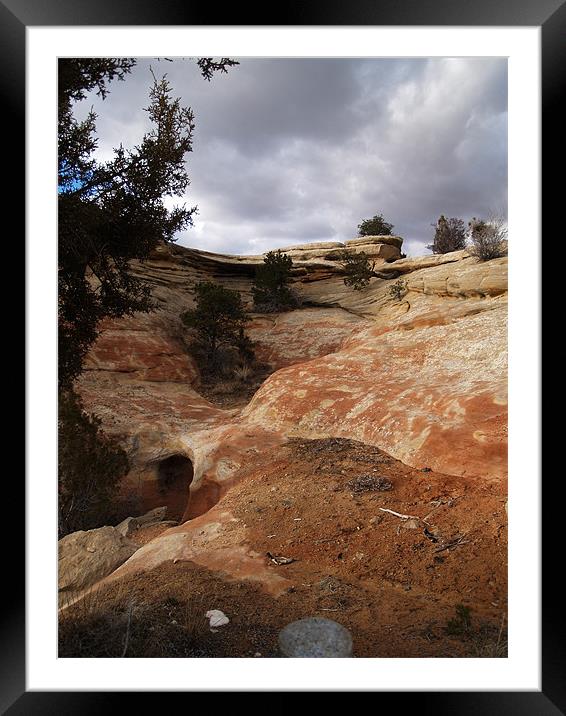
x=291, y=151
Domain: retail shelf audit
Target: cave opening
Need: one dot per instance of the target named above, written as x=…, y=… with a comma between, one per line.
x=174, y=475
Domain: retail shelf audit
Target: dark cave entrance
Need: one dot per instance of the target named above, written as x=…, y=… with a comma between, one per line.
x=174, y=475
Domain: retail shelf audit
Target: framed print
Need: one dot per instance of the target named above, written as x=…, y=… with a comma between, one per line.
x=331, y=445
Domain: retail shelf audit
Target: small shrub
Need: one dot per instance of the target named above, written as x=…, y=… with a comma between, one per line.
x=243, y=373
x=376, y=226
x=462, y=622
x=488, y=239
x=369, y=483
x=91, y=465
x=398, y=289
x=226, y=363
x=245, y=347
x=115, y=623
x=270, y=289
x=358, y=269
x=449, y=235
x=333, y=255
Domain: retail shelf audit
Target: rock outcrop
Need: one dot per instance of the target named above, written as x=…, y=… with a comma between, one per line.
x=131, y=525
x=422, y=376
x=86, y=557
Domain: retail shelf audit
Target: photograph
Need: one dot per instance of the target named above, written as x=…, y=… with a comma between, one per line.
x=282, y=357
x=283, y=353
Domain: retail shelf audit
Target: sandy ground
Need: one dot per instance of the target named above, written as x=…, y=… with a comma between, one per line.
x=395, y=582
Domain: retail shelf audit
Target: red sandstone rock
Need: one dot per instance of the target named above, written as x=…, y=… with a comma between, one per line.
x=423, y=377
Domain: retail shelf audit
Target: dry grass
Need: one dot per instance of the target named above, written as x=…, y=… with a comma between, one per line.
x=485, y=641
x=125, y=626
x=243, y=373
x=488, y=645
x=223, y=387
x=238, y=388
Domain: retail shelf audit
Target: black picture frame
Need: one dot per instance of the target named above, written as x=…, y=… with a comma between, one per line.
x=550, y=16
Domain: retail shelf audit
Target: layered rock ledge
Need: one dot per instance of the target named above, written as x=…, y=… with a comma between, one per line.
x=423, y=376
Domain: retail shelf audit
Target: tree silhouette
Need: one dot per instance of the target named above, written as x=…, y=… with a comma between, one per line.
x=113, y=212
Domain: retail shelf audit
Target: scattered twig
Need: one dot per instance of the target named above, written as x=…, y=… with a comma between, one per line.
x=454, y=543
x=440, y=503
x=430, y=513
x=397, y=514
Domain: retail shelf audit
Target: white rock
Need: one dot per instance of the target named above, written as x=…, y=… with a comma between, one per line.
x=216, y=618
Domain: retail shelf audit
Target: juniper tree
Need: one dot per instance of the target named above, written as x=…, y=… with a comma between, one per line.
x=114, y=211
x=357, y=269
x=219, y=319
x=270, y=289
x=449, y=235
x=90, y=466
x=376, y=226
x=109, y=213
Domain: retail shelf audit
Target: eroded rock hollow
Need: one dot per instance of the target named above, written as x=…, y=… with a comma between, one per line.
x=367, y=474
x=422, y=376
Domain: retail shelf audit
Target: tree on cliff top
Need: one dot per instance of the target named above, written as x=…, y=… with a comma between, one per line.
x=270, y=290
x=376, y=226
x=112, y=212
x=488, y=239
x=449, y=235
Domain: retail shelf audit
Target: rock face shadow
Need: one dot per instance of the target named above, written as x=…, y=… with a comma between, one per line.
x=174, y=475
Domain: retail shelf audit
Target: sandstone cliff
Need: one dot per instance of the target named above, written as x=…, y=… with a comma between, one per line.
x=367, y=388
x=422, y=376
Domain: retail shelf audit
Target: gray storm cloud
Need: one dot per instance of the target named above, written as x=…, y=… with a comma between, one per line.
x=298, y=150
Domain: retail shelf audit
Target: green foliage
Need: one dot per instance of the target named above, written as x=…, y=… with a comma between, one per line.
x=112, y=212
x=219, y=319
x=376, y=226
x=270, y=289
x=245, y=347
x=91, y=466
x=449, y=235
x=357, y=268
x=398, y=289
x=462, y=622
x=208, y=66
x=108, y=214
x=488, y=239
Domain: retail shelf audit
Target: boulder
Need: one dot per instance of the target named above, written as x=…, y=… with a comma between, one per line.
x=127, y=526
x=314, y=638
x=86, y=557
x=377, y=250
x=131, y=524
